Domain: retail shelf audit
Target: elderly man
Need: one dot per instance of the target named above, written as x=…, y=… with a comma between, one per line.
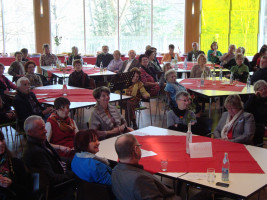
x=129, y=180
x=16, y=68
x=131, y=63
x=261, y=74
x=40, y=156
x=194, y=52
x=104, y=57
x=26, y=104
x=47, y=59
x=226, y=57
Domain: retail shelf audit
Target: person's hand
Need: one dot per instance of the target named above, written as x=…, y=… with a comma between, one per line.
x=129, y=129
x=258, y=94
x=5, y=182
x=48, y=110
x=146, y=96
x=10, y=115
x=64, y=149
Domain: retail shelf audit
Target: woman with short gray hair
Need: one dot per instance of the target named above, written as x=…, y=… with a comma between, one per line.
x=257, y=105
x=235, y=125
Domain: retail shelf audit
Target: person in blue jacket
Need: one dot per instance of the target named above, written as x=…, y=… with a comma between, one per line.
x=85, y=164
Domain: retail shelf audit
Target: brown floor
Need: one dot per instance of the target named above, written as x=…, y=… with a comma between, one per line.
x=157, y=120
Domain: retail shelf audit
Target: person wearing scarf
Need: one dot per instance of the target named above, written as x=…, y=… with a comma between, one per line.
x=35, y=80
x=106, y=119
x=235, y=125
x=78, y=78
x=61, y=129
x=148, y=78
x=14, y=182
x=200, y=68
x=179, y=117
x=85, y=164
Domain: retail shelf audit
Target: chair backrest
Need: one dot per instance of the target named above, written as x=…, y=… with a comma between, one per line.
x=92, y=84
x=96, y=191
x=44, y=80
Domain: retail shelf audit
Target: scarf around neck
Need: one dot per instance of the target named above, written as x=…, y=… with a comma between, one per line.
x=63, y=124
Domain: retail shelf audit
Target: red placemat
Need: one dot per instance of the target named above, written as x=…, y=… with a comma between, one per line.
x=74, y=95
x=173, y=148
x=190, y=65
x=223, y=86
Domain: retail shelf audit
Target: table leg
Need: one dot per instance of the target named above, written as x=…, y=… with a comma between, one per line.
x=210, y=108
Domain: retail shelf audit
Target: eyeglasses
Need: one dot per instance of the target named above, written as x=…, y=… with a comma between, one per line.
x=184, y=100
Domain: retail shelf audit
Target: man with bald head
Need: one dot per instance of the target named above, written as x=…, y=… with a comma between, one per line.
x=40, y=156
x=194, y=52
x=261, y=74
x=130, y=63
x=129, y=180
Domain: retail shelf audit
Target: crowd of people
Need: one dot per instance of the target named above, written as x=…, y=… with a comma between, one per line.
x=57, y=148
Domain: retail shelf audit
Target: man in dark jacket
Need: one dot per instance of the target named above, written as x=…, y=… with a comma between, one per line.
x=104, y=57
x=261, y=74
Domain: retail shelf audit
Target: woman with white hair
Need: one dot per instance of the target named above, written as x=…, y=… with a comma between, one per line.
x=257, y=105
x=235, y=125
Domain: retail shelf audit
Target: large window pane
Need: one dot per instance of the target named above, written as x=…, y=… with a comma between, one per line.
x=67, y=24
x=101, y=25
x=135, y=28
x=168, y=24
x=19, y=25
x=1, y=31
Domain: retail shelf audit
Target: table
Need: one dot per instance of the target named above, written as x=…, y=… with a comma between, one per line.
x=74, y=104
x=215, y=93
x=242, y=185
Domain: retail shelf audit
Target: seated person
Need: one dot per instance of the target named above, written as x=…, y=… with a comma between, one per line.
x=129, y=179
x=173, y=87
x=116, y=64
x=162, y=80
x=86, y=164
x=24, y=52
x=214, y=54
x=105, y=118
x=257, y=105
x=47, y=59
x=263, y=52
x=26, y=104
x=200, y=68
x=154, y=49
x=153, y=66
x=104, y=57
x=35, y=80
x=16, y=68
x=255, y=58
x=137, y=91
x=131, y=63
x=6, y=114
x=240, y=71
x=78, y=78
x=147, y=77
x=179, y=117
x=225, y=58
x=40, y=156
x=233, y=62
x=261, y=74
x=171, y=55
x=5, y=84
x=194, y=52
x=74, y=56
x=14, y=181
x=60, y=128
x=235, y=125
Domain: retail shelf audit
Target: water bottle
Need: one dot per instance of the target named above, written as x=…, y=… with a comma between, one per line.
x=202, y=79
x=101, y=67
x=248, y=83
x=213, y=77
x=64, y=88
x=221, y=74
x=188, y=138
x=193, y=58
x=185, y=63
x=225, y=168
x=231, y=80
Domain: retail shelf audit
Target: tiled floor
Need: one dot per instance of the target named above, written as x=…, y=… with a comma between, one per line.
x=157, y=120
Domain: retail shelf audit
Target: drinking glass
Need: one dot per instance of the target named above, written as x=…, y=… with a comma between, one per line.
x=210, y=175
x=164, y=164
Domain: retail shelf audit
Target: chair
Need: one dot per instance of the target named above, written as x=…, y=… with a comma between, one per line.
x=8, y=128
x=139, y=109
x=92, y=84
x=166, y=106
x=96, y=191
x=44, y=80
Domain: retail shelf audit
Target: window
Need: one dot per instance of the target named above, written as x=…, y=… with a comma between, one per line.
x=17, y=30
x=120, y=24
x=230, y=22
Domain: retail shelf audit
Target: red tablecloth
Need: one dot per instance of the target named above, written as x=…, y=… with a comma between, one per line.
x=190, y=65
x=69, y=70
x=74, y=95
x=223, y=86
x=173, y=148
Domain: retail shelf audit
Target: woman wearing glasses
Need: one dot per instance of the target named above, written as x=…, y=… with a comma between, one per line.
x=179, y=117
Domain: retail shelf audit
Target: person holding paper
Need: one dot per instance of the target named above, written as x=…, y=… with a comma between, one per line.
x=235, y=125
x=179, y=117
